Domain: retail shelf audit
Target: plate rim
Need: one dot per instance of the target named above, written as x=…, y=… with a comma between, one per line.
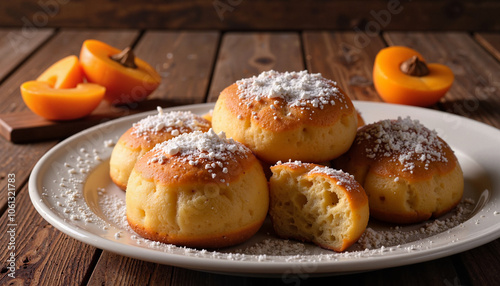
x=235, y=267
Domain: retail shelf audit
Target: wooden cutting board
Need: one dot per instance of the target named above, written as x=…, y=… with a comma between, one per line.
x=27, y=127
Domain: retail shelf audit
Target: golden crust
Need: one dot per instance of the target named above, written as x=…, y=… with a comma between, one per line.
x=359, y=166
x=389, y=166
x=277, y=131
x=413, y=201
x=131, y=146
x=396, y=193
x=122, y=162
x=288, y=117
x=186, y=206
x=361, y=121
x=208, y=241
x=175, y=170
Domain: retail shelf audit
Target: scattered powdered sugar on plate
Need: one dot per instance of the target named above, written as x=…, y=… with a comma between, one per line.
x=276, y=247
x=271, y=248
x=396, y=235
x=405, y=137
x=114, y=209
x=72, y=203
x=69, y=196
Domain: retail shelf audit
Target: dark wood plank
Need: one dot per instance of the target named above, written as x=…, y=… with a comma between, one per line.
x=66, y=43
x=345, y=58
x=257, y=14
x=113, y=269
x=17, y=44
x=482, y=264
x=489, y=41
x=27, y=127
x=474, y=93
x=436, y=272
x=43, y=254
x=186, y=74
x=185, y=62
x=19, y=159
x=246, y=54
x=190, y=277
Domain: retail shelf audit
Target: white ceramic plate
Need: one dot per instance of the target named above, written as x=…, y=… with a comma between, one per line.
x=71, y=189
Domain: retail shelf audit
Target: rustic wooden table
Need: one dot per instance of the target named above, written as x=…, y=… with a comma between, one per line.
x=195, y=67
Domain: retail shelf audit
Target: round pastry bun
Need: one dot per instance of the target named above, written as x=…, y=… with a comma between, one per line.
x=318, y=204
x=409, y=173
x=290, y=115
x=145, y=134
x=361, y=121
x=197, y=190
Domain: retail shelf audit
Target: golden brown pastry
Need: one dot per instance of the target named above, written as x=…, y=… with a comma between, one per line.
x=409, y=173
x=290, y=115
x=197, y=190
x=145, y=134
x=361, y=121
x=318, y=204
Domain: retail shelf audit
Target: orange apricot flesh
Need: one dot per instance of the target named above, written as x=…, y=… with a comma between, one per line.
x=65, y=73
x=123, y=84
x=61, y=104
x=394, y=86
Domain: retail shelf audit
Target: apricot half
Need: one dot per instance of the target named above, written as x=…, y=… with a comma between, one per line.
x=61, y=104
x=421, y=85
x=123, y=84
x=65, y=73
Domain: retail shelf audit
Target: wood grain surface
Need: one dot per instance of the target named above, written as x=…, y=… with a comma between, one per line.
x=181, y=84
x=195, y=66
x=244, y=55
x=491, y=42
x=19, y=159
x=472, y=94
x=343, y=58
x=185, y=62
x=47, y=247
x=365, y=15
x=17, y=45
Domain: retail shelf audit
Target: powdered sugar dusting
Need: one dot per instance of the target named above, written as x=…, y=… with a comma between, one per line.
x=271, y=248
x=275, y=247
x=343, y=179
x=396, y=236
x=173, y=122
x=407, y=138
x=297, y=89
x=197, y=147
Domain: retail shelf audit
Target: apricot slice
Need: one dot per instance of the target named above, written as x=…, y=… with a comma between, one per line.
x=124, y=83
x=65, y=73
x=419, y=85
x=61, y=104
